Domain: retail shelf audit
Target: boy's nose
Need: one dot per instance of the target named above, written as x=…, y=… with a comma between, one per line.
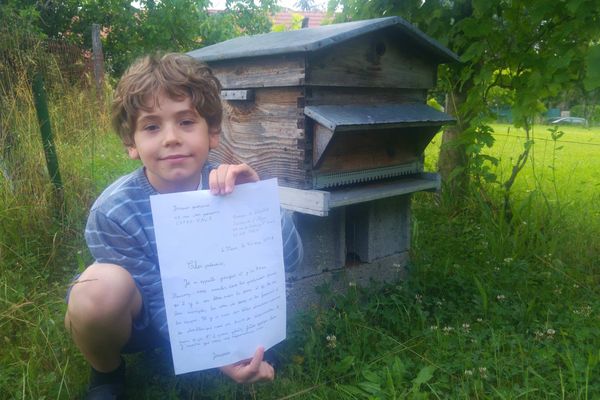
x=171, y=135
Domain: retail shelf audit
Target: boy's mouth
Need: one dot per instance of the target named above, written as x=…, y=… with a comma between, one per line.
x=175, y=157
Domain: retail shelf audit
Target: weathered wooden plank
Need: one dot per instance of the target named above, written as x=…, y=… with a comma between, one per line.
x=322, y=137
x=350, y=95
x=273, y=113
x=268, y=159
x=264, y=133
x=248, y=73
x=368, y=150
x=372, y=60
x=320, y=202
x=313, y=202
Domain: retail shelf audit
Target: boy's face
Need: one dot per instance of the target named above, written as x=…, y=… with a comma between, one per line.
x=172, y=140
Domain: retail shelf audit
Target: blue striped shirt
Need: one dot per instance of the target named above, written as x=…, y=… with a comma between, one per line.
x=120, y=231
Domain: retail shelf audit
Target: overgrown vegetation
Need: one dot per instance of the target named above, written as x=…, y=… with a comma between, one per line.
x=492, y=308
x=521, y=55
x=131, y=29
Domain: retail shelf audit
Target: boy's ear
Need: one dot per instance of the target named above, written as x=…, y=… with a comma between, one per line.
x=133, y=153
x=213, y=137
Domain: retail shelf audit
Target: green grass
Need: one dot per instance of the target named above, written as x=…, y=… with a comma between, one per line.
x=570, y=166
x=491, y=309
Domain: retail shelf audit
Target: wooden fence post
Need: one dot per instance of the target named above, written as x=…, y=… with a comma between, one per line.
x=98, y=58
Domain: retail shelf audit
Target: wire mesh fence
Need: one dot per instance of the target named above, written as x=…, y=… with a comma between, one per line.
x=58, y=60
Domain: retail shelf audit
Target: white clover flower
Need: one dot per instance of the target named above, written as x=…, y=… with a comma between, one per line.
x=419, y=297
x=468, y=372
x=433, y=328
x=501, y=297
x=331, y=341
x=550, y=332
x=447, y=330
x=558, y=291
x=585, y=310
x=466, y=327
x=483, y=372
x=539, y=335
x=479, y=319
x=508, y=260
x=352, y=284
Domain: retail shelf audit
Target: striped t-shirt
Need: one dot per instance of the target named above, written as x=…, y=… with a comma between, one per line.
x=120, y=231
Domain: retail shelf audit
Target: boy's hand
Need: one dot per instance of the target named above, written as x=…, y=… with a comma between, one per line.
x=250, y=371
x=222, y=179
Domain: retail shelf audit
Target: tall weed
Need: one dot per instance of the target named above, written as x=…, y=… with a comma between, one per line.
x=40, y=234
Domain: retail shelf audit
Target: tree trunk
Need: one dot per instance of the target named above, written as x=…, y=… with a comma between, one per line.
x=452, y=162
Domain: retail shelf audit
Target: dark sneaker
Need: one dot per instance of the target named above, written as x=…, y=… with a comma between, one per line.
x=107, y=386
x=108, y=391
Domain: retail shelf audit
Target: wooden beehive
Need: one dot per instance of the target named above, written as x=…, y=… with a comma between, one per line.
x=328, y=106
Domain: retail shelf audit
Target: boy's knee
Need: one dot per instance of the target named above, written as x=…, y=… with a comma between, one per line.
x=103, y=293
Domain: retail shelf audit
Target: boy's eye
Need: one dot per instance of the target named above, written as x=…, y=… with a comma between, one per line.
x=187, y=122
x=150, y=127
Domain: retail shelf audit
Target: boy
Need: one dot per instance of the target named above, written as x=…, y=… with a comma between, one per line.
x=167, y=111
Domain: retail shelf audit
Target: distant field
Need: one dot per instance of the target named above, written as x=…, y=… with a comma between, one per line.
x=573, y=163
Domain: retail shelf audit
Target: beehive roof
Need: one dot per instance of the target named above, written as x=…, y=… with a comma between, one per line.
x=312, y=39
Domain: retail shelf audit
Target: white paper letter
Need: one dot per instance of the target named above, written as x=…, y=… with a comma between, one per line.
x=221, y=264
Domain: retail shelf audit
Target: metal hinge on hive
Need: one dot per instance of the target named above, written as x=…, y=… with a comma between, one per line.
x=332, y=179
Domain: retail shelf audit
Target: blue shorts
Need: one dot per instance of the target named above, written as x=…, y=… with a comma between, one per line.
x=143, y=335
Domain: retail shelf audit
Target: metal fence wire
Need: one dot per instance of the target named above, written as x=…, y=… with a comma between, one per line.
x=58, y=60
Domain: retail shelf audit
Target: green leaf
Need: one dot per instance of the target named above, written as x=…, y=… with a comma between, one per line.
x=352, y=390
x=398, y=369
x=528, y=144
x=424, y=375
x=390, y=387
x=370, y=387
x=482, y=6
x=489, y=177
x=455, y=172
x=592, y=66
x=371, y=376
x=344, y=365
x=573, y=6
x=482, y=293
x=493, y=160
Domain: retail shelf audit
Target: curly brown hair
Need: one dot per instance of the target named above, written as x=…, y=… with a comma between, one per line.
x=177, y=75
